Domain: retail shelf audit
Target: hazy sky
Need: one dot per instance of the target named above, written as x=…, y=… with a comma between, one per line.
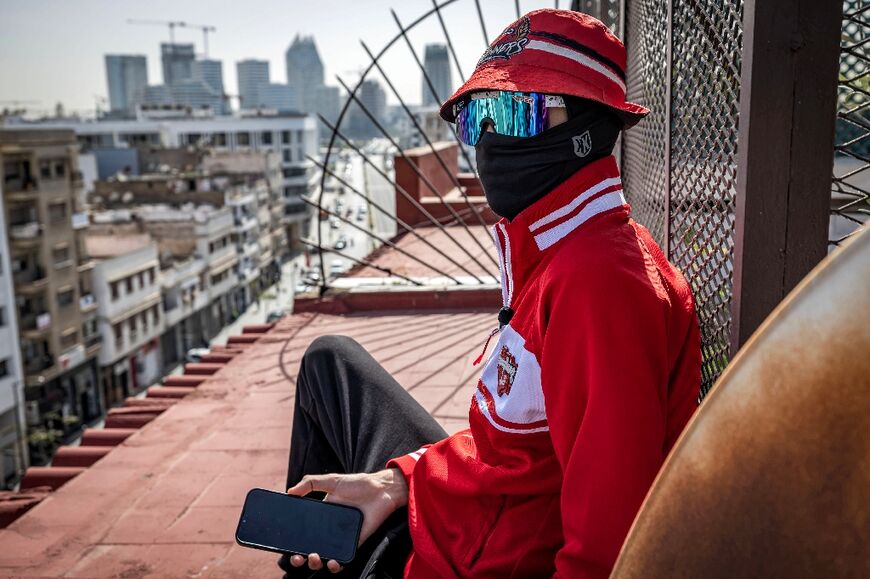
x=52, y=50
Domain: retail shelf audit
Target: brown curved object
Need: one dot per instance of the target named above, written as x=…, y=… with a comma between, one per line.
x=168, y=391
x=217, y=358
x=243, y=339
x=772, y=476
x=257, y=328
x=202, y=369
x=15, y=504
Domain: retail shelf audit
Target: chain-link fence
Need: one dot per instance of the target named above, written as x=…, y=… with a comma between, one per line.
x=679, y=164
x=850, y=192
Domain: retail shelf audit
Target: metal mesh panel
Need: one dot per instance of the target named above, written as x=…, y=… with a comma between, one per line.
x=705, y=96
x=644, y=168
x=850, y=199
x=679, y=164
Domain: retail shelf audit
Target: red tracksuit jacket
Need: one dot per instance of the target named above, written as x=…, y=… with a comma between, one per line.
x=586, y=391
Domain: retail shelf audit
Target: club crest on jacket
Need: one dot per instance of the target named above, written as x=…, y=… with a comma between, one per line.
x=513, y=40
x=507, y=371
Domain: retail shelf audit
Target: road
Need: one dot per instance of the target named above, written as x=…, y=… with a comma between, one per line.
x=357, y=204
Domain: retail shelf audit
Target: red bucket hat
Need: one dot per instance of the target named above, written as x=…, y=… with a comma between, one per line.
x=559, y=52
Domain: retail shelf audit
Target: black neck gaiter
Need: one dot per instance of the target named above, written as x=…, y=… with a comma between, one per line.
x=517, y=171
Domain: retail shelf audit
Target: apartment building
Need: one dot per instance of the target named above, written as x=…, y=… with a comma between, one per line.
x=51, y=277
x=13, y=442
x=197, y=268
x=130, y=322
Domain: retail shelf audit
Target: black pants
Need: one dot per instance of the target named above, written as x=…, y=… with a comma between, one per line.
x=351, y=416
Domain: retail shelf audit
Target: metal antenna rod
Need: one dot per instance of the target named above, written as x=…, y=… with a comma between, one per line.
x=426, y=138
x=385, y=270
x=381, y=239
x=398, y=221
x=417, y=171
x=449, y=42
x=434, y=93
x=517, y=5
x=482, y=24
x=407, y=196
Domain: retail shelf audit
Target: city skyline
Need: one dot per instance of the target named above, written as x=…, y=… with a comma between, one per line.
x=84, y=32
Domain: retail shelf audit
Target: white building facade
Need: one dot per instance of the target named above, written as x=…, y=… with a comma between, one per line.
x=13, y=442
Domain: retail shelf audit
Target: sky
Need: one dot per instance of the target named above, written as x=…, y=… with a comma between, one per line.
x=52, y=50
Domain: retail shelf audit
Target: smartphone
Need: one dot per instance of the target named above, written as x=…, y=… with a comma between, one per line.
x=284, y=523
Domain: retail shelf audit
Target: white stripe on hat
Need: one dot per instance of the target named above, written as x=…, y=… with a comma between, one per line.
x=601, y=204
x=577, y=57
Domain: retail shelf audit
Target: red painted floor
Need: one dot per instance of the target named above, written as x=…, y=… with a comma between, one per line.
x=165, y=502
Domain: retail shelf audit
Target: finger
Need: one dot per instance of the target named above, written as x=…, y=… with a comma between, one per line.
x=314, y=482
x=297, y=560
x=314, y=562
x=333, y=566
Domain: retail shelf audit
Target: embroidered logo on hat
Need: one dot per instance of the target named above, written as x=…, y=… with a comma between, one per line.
x=582, y=144
x=508, y=48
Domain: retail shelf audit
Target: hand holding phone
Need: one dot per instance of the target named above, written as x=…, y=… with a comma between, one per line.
x=377, y=495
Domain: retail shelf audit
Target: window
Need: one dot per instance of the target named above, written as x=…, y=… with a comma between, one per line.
x=45, y=169
x=60, y=168
x=219, y=139
x=143, y=318
x=4, y=368
x=288, y=158
x=116, y=289
x=285, y=137
x=300, y=137
x=243, y=139
x=69, y=338
x=193, y=138
x=266, y=137
x=2, y=316
x=152, y=275
x=129, y=284
x=141, y=279
x=133, y=329
x=57, y=212
x=60, y=255
x=65, y=297
x=118, y=329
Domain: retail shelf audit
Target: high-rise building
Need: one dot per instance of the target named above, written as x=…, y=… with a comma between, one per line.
x=126, y=77
x=51, y=273
x=177, y=60
x=328, y=102
x=13, y=443
x=251, y=75
x=374, y=100
x=436, y=63
x=278, y=97
x=211, y=72
x=304, y=71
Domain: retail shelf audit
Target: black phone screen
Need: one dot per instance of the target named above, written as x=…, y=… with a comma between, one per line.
x=290, y=524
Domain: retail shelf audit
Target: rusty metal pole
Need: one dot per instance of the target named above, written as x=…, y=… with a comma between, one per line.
x=788, y=90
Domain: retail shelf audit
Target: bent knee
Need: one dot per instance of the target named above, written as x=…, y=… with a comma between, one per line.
x=329, y=346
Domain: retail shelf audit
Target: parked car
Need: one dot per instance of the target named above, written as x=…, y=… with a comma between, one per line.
x=194, y=355
x=341, y=243
x=275, y=315
x=334, y=222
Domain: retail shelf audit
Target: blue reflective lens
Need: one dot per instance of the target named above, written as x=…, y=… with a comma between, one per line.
x=516, y=114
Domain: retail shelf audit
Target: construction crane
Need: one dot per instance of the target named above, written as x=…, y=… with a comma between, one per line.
x=206, y=28
x=170, y=23
x=173, y=24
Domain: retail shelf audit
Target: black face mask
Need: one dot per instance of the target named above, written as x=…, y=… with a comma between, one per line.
x=517, y=171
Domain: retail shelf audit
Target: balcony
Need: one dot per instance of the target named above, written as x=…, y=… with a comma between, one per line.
x=87, y=303
x=34, y=325
x=37, y=364
x=30, y=280
x=25, y=231
x=80, y=220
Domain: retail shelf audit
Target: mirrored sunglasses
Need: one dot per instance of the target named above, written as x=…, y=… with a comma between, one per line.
x=515, y=114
